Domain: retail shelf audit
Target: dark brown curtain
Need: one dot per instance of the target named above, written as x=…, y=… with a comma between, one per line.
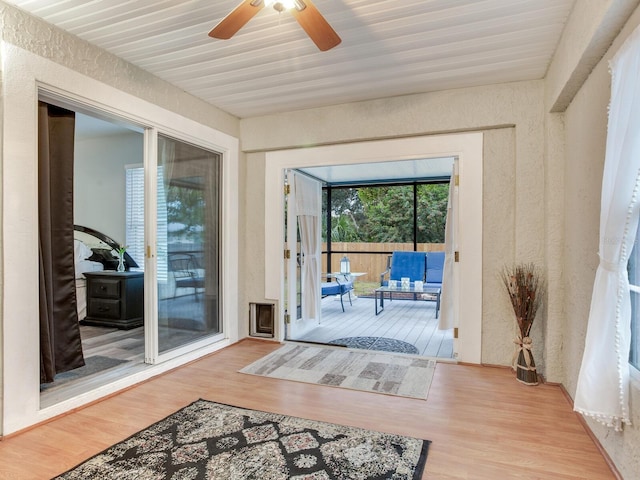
x=60, y=343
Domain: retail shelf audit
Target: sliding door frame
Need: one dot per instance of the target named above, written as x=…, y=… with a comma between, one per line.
x=152, y=329
x=36, y=76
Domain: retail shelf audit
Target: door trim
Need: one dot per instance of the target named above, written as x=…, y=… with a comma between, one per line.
x=468, y=147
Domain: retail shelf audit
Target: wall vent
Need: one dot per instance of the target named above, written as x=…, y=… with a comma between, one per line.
x=261, y=319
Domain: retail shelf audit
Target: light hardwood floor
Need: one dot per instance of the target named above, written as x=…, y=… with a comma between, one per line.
x=413, y=322
x=482, y=422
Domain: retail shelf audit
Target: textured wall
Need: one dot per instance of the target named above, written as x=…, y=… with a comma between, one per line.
x=253, y=221
x=586, y=125
x=554, y=228
x=2, y=248
x=591, y=28
x=463, y=109
x=586, y=130
x=512, y=117
x=499, y=221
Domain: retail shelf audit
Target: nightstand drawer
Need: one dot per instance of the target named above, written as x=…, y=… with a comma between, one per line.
x=99, y=307
x=115, y=299
x=105, y=288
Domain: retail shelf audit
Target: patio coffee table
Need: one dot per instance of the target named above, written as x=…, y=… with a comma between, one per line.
x=380, y=291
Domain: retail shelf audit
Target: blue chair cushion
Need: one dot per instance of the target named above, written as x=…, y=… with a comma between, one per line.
x=435, y=267
x=408, y=264
x=347, y=286
x=332, y=288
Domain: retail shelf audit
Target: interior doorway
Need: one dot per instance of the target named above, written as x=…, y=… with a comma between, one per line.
x=46, y=80
x=368, y=213
x=104, y=182
x=111, y=328
x=466, y=147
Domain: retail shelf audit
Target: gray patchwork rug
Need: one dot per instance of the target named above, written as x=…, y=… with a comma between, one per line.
x=402, y=375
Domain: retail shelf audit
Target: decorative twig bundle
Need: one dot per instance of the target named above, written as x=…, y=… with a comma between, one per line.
x=525, y=288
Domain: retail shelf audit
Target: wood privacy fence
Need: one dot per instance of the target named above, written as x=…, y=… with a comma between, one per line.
x=362, y=259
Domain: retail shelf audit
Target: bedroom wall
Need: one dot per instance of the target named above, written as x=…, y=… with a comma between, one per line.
x=99, y=181
x=586, y=130
x=512, y=118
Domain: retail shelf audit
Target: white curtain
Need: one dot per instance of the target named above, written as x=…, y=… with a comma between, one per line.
x=603, y=383
x=447, y=296
x=308, y=195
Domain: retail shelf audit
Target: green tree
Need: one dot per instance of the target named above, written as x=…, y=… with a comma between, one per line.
x=385, y=213
x=346, y=215
x=432, y=212
x=185, y=208
x=388, y=212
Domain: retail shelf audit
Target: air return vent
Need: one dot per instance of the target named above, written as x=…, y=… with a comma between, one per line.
x=261, y=318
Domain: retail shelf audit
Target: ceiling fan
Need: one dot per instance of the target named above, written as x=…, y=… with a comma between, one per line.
x=304, y=11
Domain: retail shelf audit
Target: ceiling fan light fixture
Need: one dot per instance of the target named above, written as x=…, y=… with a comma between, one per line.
x=281, y=5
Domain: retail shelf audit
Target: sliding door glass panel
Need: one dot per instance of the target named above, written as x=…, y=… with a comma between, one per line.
x=188, y=262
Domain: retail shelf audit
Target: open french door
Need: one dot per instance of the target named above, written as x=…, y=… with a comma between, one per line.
x=303, y=247
x=449, y=311
x=293, y=291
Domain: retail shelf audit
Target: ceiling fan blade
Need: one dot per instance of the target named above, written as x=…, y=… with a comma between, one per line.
x=318, y=29
x=233, y=22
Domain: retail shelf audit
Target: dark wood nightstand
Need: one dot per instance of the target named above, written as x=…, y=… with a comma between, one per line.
x=115, y=299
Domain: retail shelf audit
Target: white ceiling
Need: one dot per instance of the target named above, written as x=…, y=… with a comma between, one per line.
x=383, y=172
x=389, y=47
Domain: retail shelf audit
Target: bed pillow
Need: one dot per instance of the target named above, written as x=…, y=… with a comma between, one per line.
x=81, y=251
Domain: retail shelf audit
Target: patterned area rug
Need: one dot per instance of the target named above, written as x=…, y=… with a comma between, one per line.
x=383, y=344
x=401, y=375
x=208, y=440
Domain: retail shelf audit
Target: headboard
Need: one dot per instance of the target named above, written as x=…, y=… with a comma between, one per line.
x=104, y=248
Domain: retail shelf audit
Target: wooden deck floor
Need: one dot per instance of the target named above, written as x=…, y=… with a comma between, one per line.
x=410, y=321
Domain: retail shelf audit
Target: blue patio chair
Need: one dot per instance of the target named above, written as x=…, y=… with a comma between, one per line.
x=435, y=269
x=186, y=272
x=337, y=288
x=405, y=264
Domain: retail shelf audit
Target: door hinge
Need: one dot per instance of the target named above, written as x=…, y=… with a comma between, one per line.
x=456, y=256
x=287, y=318
x=455, y=332
x=287, y=189
x=456, y=180
x=287, y=254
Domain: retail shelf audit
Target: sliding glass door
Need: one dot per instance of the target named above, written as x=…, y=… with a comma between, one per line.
x=188, y=243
